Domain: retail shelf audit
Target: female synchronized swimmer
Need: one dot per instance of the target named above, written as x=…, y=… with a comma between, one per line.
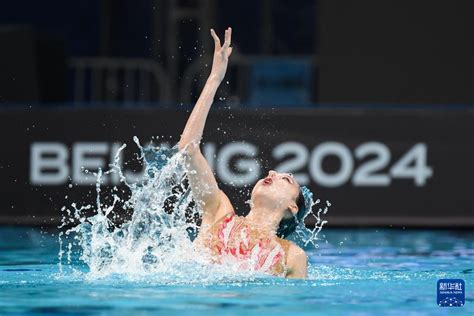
x=277, y=202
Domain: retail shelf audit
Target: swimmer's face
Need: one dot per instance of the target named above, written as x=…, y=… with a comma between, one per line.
x=276, y=190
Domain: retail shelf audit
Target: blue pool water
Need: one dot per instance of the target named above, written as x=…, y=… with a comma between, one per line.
x=356, y=272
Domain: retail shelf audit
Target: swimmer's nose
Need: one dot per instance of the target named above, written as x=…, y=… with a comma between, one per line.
x=272, y=173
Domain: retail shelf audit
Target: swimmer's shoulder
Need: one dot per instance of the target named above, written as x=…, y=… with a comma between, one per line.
x=295, y=250
x=296, y=261
x=290, y=247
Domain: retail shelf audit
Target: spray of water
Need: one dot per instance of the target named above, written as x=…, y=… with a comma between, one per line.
x=156, y=242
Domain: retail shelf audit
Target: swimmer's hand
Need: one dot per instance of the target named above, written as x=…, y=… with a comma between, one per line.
x=221, y=55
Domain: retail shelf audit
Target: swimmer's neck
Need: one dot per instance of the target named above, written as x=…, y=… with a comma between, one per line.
x=263, y=220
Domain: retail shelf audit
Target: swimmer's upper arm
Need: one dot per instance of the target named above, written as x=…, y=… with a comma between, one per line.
x=202, y=181
x=205, y=190
x=297, y=263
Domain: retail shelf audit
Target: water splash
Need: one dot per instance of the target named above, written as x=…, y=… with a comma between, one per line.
x=155, y=243
x=303, y=235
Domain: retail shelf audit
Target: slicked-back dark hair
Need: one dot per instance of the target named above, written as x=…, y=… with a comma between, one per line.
x=288, y=225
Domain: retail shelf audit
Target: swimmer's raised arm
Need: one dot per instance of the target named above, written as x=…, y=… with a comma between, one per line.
x=201, y=178
x=194, y=128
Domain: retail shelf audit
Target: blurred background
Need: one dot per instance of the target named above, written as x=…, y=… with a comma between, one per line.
x=369, y=103
x=156, y=52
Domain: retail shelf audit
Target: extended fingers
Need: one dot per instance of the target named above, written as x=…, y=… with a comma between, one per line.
x=228, y=37
x=217, y=41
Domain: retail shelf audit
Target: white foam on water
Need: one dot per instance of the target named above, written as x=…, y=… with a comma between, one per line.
x=155, y=244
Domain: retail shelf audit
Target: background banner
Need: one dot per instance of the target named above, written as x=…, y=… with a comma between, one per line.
x=375, y=166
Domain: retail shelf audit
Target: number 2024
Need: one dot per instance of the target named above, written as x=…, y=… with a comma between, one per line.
x=413, y=164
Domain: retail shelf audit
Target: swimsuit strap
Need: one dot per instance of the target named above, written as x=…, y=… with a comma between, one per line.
x=285, y=244
x=226, y=217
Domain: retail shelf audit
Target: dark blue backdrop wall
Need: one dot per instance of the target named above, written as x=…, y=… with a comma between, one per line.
x=376, y=167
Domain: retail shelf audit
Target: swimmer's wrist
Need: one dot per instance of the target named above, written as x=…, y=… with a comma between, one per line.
x=214, y=78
